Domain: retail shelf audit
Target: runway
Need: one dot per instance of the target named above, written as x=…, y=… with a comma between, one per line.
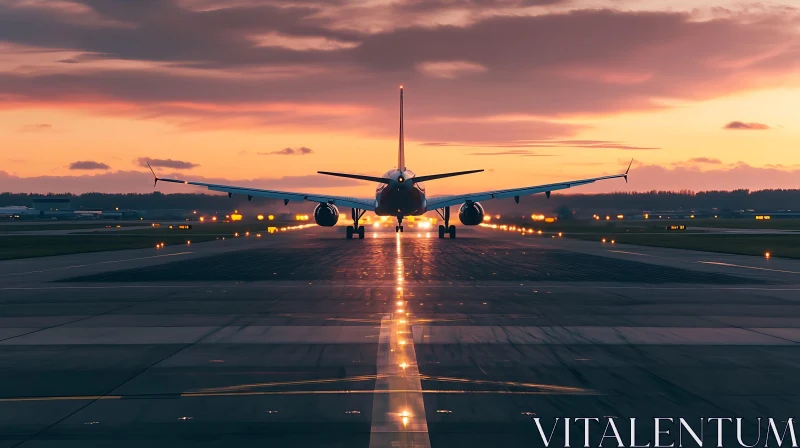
x=308, y=339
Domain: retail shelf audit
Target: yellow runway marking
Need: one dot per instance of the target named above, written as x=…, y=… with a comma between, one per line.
x=718, y=263
x=400, y=392
x=94, y=264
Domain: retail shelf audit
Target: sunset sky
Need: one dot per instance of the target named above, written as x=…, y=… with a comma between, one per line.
x=703, y=94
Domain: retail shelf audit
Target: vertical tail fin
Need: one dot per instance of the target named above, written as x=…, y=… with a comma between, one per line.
x=401, y=153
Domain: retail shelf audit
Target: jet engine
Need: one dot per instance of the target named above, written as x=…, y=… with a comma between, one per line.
x=326, y=215
x=471, y=213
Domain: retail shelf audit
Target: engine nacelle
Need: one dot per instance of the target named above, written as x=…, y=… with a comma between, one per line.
x=471, y=214
x=326, y=215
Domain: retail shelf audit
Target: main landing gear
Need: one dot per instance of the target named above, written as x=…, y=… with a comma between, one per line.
x=399, y=226
x=446, y=228
x=355, y=229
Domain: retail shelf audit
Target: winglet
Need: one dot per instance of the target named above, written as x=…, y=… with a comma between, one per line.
x=626, y=171
x=155, y=178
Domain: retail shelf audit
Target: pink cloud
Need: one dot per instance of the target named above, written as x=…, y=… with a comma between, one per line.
x=142, y=182
x=738, y=125
x=685, y=177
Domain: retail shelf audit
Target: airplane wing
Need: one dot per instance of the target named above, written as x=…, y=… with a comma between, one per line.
x=448, y=201
x=360, y=203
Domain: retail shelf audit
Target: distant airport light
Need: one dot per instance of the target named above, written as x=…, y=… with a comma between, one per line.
x=202, y=219
x=559, y=234
x=612, y=241
x=487, y=218
x=260, y=217
x=607, y=217
x=604, y=240
x=620, y=216
x=550, y=220
x=213, y=218
x=236, y=217
x=246, y=233
x=767, y=255
x=236, y=234
x=496, y=216
x=188, y=242
x=376, y=225
x=258, y=235
x=646, y=216
x=539, y=232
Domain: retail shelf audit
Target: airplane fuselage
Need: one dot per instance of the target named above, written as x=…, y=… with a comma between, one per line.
x=401, y=196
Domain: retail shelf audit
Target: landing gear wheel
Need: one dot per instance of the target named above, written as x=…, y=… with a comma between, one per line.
x=397, y=229
x=442, y=231
x=349, y=232
x=401, y=229
x=361, y=233
x=452, y=231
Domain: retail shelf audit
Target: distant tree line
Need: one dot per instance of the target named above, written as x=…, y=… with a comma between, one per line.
x=653, y=200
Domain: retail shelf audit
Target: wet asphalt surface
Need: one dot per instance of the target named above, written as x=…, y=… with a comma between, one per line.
x=278, y=342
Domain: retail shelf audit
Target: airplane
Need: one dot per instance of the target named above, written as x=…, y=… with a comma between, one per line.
x=400, y=193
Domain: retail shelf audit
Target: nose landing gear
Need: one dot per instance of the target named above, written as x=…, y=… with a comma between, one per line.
x=399, y=226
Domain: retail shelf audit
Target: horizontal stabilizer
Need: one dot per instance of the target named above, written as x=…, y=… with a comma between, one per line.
x=443, y=175
x=382, y=180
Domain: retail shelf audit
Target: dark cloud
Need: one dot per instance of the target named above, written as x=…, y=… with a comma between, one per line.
x=166, y=163
x=142, y=182
x=36, y=127
x=88, y=165
x=301, y=151
x=206, y=69
x=738, y=125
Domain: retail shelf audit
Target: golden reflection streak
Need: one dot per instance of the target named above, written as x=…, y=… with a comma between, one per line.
x=293, y=383
x=549, y=387
x=398, y=418
x=283, y=392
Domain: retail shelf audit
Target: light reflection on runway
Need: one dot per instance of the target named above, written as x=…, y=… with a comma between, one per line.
x=398, y=419
x=277, y=344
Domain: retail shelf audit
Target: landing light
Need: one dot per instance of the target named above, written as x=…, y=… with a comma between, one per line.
x=400, y=179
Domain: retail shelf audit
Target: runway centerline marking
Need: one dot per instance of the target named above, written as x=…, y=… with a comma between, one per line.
x=719, y=263
x=629, y=253
x=398, y=419
x=93, y=264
